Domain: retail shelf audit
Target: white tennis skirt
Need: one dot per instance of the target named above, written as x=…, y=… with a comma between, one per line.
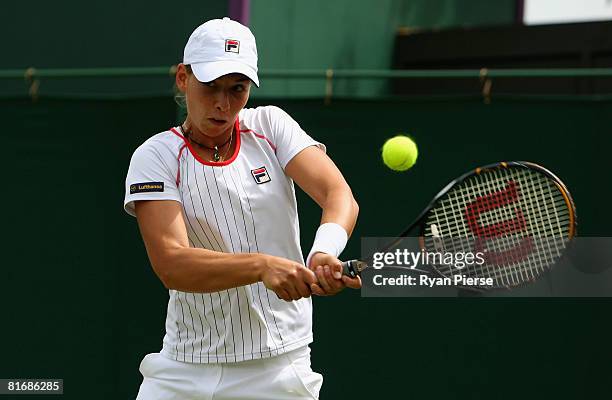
x=286, y=376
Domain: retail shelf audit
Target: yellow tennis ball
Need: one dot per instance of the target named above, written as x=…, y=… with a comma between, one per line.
x=399, y=153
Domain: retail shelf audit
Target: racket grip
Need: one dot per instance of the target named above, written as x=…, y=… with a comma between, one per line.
x=350, y=268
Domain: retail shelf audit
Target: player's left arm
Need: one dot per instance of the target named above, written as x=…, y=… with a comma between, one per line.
x=319, y=177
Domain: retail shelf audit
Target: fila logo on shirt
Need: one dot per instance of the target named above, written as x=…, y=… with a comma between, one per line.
x=232, y=46
x=260, y=175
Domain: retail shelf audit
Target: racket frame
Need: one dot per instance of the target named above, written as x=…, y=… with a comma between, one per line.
x=353, y=268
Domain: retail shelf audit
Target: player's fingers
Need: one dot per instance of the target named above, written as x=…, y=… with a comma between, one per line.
x=336, y=284
x=303, y=289
x=323, y=282
x=353, y=283
x=336, y=269
x=308, y=276
x=293, y=293
x=283, y=294
x=316, y=289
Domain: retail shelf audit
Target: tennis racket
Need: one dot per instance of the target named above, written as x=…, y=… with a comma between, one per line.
x=518, y=215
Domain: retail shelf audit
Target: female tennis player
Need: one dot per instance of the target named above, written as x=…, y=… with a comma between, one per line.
x=215, y=203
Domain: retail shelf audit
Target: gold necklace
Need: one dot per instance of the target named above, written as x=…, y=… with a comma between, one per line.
x=216, y=157
x=228, y=147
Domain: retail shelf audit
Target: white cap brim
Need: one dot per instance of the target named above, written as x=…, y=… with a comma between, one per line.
x=207, y=72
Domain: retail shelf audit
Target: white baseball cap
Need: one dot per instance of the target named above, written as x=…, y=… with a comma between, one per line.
x=219, y=47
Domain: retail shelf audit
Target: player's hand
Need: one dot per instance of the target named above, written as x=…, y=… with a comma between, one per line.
x=328, y=270
x=288, y=279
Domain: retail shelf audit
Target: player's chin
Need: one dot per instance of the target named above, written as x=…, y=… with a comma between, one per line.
x=213, y=130
x=216, y=129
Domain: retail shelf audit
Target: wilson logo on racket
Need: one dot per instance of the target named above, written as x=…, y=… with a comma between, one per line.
x=260, y=175
x=518, y=213
x=492, y=203
x=232, y=46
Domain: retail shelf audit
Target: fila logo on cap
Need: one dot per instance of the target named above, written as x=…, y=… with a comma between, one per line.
x=260, y=175
x=232, y=46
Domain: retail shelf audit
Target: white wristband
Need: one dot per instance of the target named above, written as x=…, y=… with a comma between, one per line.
x=331, y=238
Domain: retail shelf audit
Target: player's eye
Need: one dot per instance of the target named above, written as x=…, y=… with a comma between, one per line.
x=239, y=88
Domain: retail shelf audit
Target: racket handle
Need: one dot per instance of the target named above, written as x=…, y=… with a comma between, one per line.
x=352, y=268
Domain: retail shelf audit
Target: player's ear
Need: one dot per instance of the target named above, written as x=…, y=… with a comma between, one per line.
x=182, y=77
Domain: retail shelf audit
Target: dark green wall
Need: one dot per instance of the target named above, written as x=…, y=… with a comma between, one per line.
x=70, y=33
x=73, y=34
x=81, y=34
x=80, y=301
x=291, y=34
x=352, y=34
x=441, y=14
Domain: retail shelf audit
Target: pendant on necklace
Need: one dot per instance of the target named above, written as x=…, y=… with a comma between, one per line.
x=216, y=155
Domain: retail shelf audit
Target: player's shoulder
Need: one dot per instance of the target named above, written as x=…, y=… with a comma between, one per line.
x=262, y=115
x=165, y=145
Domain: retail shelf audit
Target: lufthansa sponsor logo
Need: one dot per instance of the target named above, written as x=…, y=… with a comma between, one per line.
x=146, y=187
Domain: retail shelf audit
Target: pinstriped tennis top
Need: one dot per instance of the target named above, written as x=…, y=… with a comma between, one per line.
x=243, y=205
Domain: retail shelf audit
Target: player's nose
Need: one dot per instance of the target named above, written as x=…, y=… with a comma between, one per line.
x=222, y=101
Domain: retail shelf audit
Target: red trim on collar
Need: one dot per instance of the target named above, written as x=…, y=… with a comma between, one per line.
x=259, y=135
x=178, y=158
x=212, y=163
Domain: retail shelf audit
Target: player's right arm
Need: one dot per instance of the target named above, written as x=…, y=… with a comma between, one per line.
x=188, y=269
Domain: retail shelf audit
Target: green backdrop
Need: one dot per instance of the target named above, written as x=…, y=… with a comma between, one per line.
x=291, y=34
x=111, y=33
x=80, y=301
x=352, y=34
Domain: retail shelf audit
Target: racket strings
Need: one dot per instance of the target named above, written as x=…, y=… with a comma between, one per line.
x=493, y=214
x=490, y=217
x=510, y=274
x=506, y=272
x=457, y=219
x=518, y=215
